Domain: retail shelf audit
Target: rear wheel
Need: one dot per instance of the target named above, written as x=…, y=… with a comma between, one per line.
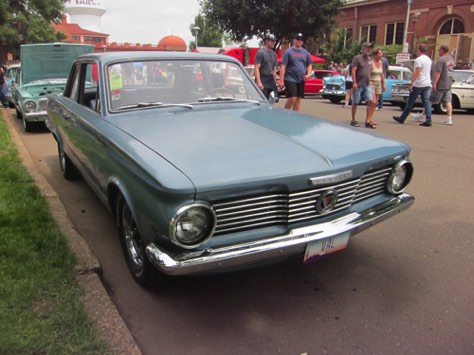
x=440, y=108
x=133, y=247
x=68, y=169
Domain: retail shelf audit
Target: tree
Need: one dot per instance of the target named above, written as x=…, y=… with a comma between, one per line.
x=340, y=48
x=207, y=34
x=28, y=21
x=283, y=18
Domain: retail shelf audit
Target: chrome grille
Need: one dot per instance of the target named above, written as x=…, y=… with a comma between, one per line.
x=333, y=87
x=280, y=209
x=43, y=104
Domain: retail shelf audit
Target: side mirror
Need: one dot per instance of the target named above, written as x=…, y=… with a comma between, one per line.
x=272, y=98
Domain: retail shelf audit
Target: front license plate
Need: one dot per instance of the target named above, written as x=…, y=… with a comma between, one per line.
x=320, y=248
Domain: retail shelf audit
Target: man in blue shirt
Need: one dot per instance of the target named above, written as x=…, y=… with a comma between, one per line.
x=296, y=68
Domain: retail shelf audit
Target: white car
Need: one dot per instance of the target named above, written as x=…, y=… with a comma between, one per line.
x=463, y=90
x=462, y=93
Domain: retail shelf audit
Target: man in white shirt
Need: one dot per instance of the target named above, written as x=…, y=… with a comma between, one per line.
x=420, y=85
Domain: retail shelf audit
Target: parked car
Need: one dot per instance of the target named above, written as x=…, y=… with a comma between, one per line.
x=334, y=88
x=10, y=77
x=462, y=91
x=314, y=84
x=204, y=178
x=44, y=70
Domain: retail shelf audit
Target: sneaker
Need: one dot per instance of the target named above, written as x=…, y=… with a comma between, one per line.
x=425, y=124
x=398, y=119
x=417, y=116
x=447, y=122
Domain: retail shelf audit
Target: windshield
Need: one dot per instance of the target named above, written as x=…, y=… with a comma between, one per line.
x=160, y=83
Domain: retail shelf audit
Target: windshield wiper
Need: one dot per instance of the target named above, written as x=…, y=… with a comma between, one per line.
x=220, y=98
x=155, y=104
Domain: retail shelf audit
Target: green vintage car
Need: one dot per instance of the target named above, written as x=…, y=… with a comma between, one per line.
x=203, y=178
x=44, y=70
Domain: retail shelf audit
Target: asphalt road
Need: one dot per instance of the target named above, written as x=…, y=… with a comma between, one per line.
x=405, y=286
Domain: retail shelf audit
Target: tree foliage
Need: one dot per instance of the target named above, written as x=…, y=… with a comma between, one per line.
x=283, y=18
x=28, y=21
x=207, y=35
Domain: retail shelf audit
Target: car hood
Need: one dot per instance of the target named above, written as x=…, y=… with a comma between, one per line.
x=247, y=145
x=49, y=60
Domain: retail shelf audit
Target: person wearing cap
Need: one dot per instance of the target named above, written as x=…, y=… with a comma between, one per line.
x=296, y=67
x=420, y=85
x=265, y=66
x=442, y=81
x=361, y=67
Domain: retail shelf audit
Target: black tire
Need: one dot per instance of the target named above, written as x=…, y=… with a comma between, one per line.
x=28, y=126
x=335, y=99
x=18, y=114
x=133, y=247
x=68, y=169
x=402, y=105
x=440, y=108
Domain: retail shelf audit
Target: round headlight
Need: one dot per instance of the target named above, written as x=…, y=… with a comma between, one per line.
x=30, y=105
x=192, y=225
x=400, y=176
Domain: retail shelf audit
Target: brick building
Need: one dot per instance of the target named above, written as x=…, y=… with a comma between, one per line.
x=433, y=22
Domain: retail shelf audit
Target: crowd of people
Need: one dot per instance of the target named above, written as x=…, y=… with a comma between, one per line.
x=364, y=79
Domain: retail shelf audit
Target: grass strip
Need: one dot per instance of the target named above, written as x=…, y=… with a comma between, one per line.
x=40, y=307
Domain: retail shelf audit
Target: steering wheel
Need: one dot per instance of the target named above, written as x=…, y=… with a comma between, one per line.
x=223, y=92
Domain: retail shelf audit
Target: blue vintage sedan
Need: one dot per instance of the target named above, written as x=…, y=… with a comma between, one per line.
x=203, y=174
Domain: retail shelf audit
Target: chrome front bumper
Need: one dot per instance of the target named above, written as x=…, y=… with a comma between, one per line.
x=292, y=243
x=39, y=116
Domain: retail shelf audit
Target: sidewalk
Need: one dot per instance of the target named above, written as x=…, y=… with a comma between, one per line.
x=96, y=300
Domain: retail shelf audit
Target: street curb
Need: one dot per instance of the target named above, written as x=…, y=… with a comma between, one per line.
x=95, y=298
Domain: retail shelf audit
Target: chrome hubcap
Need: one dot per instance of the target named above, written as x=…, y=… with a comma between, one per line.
x=132, y=238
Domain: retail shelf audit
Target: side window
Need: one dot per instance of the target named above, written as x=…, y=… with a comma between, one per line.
x=83, y=84
x=90, y=96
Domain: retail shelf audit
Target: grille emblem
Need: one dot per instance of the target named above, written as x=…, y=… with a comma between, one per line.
x=327, y=201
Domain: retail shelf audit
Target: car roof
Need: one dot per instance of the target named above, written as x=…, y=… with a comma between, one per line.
x=108, y=57
x=398, y=67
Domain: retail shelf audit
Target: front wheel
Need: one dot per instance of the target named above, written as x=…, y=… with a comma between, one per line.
x=27, y=125
x=335, y=99
x=133, y=247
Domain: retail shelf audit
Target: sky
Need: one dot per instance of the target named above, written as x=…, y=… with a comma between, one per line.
x=148, y=21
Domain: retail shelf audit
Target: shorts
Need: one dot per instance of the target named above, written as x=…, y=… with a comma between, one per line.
x=349, y=85
x=376, y=87
x=362, y=93
x=441, y=95
x=293, y=89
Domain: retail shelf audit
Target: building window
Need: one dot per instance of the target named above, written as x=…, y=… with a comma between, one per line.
x=76, y=38
x=394, y=33
x=368, y=33
x=348, y=37
x=452, y=26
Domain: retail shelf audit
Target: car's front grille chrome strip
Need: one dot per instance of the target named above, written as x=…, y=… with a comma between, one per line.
x=279, y=209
